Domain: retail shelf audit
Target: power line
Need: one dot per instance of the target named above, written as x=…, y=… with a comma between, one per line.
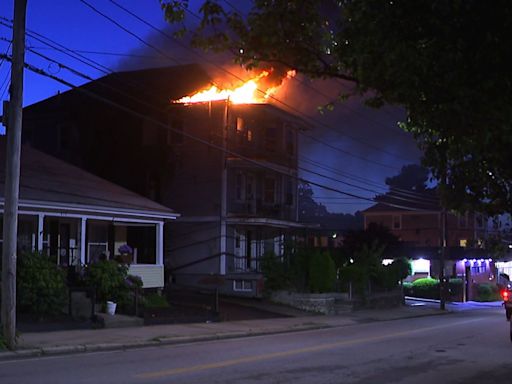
x=295, y=110
x=299, y=167
x=192, y=137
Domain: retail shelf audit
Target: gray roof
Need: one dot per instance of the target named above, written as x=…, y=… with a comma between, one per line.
x=45, y=179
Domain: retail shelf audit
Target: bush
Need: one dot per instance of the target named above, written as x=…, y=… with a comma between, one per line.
x=455, y=287
x=426, y=288
x=155, y=300
x=322, y=273
x=40, y=284
x=487, y=292
x=274, y=272
x=109, y=279
x=407, y=288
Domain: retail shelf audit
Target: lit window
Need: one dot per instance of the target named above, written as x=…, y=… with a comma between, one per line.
x=463, y=242
x=239, y=124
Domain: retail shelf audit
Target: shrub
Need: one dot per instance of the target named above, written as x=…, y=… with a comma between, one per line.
x=322, y=273
x=154, y=300
x=487, y=292
x=274, y=272
x=299, y=268
x=426, y=287
x=455, y=287
x=108, y=278
x=407, y=288
x=40, y=284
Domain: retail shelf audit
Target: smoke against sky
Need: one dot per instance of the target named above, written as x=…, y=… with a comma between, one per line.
x=353, y=144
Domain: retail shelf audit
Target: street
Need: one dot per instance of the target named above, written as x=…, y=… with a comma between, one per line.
x=464, y=347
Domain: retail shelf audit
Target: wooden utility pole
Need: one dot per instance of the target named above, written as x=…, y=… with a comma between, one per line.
x=12, y=176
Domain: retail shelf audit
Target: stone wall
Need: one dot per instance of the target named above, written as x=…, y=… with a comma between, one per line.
x=312, y=302
x=330, y=303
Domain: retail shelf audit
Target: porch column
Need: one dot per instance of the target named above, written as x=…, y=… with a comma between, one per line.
x=160, y=244
x=40, y=229
x=83, y=232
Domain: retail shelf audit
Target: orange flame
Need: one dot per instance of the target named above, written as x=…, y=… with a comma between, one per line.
x=249, y=92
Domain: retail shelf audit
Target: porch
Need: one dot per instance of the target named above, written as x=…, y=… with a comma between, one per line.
x=74, y=240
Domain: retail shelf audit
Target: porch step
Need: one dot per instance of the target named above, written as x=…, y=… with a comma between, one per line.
x=119, y=321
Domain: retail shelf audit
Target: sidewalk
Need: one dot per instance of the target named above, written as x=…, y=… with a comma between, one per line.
x=76, y=341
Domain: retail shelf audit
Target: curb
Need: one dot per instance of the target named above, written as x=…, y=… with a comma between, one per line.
x=172, y=340
x=176, y=340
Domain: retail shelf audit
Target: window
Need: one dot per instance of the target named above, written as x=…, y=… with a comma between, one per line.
x=271, y=139
x=240, y=187
x=288, y=196
x=269, y=190
x=249, y=187
x=478, y=268
x=240, y=125
x=242, y=285
x=463, y=243
x=290, y=141
x=479, y=221
x=397, y=222
x=463, y=220
x=244, y=134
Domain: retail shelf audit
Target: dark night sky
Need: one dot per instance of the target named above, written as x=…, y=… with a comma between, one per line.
x=353, y=144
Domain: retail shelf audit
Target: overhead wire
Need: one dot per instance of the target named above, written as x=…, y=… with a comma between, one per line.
x=272, y=97
x=338, y=180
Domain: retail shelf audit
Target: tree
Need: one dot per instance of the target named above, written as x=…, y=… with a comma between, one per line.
x=447, y=62
x=412, y=177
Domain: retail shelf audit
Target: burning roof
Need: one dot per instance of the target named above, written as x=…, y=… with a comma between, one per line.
x=257, y=89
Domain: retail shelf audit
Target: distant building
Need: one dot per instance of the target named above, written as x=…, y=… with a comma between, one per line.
x=416, y=219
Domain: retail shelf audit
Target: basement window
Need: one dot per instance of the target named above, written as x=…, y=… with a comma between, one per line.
x=242, y=285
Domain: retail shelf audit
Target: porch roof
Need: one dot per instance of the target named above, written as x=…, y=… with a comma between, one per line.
x=49, y=183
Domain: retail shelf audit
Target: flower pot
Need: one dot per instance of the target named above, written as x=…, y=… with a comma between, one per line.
x=111, y=307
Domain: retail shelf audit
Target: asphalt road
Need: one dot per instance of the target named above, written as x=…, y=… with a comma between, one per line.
x=464, y=347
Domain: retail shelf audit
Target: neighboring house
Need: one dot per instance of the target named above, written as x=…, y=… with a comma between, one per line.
x=75, y=217
x=417, y=222
x=230, y=170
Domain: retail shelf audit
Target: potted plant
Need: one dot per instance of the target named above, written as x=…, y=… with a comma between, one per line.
x=108, y=277
x=126, y=254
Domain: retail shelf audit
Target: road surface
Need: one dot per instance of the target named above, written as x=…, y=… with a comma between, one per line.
x=464, y=347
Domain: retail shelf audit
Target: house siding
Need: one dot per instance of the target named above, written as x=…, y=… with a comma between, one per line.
x=152, y=275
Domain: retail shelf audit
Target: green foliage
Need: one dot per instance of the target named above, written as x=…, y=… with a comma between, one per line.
x=322, y=273
x=431, y=57
x=155, y=300
x=274, y=272
x=487, y=292
x=366, y=267
x=455, y=287
x=299, y=268
x=407, y=288
x=108, y=278
x=427, y=288
x=40, y=284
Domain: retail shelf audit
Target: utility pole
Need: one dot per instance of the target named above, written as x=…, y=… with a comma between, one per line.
x=12, y=176
x=442, y=258
x=444, y=240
